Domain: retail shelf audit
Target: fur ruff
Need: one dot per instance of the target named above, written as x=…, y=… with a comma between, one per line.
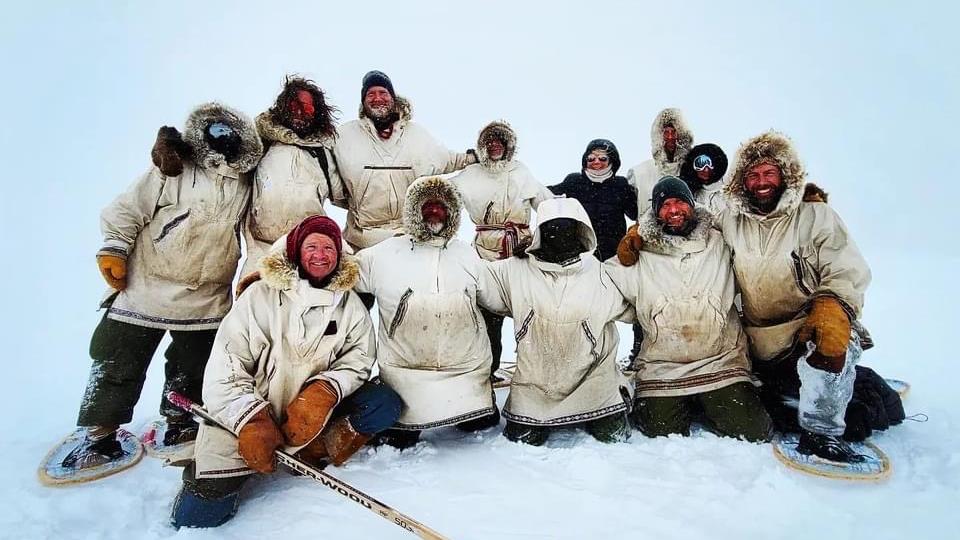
x=502, y=130
x=251, y=148
x=431, y=187
x=674, y=118
x=653, y=235
x=279, y=273
x=814, y=193
x=401, y=105
x=774, y=148
x=273, y=132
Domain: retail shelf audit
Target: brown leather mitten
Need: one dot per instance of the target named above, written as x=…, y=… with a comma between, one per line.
x=628, y=250
x=814, y=193
x=257, y=441
x=828, y=326
x=247, y=281
x=342, y=441
x=309, y=412
x=114, y=270
x=169, y=151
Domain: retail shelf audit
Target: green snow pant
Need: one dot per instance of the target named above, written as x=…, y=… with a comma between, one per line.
x=732, y=411
x=121, y=354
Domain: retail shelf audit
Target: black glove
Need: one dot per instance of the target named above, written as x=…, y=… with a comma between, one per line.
x=874, y=406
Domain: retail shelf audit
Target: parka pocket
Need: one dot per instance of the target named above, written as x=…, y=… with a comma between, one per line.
x=400, y=313
x=798, y=273
x=169, y=226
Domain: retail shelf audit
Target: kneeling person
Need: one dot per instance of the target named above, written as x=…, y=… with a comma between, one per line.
x=694, y=352
x=289, y=369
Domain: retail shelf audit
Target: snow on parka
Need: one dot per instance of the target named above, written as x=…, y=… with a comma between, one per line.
x=377, y=172
x=564, y=327
x=786, y=258
x=432, y=344
x=282, y=334
x=645, y=175
x=499, y=195
x=683, y=290
x=289, y=185
x=180, y=234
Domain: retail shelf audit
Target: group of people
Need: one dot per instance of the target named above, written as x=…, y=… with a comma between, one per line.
x=745, y=291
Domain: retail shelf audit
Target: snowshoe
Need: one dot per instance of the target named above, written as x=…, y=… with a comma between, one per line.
x=77, y=458
x=171, y=442
x=870, y=462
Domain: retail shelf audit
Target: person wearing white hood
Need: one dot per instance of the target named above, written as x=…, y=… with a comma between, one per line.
x=565, y=306
x=670, y=140
x=432, y=343
x=499, y=194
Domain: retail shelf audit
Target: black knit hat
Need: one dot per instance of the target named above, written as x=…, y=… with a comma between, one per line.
x=606, y=146
x=670, y=187
x=699, y=155
x=376, y=78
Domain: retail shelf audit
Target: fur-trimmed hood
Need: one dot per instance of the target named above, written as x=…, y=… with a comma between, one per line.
x=279, y=273
x=251, y=148
x=273, y=132
x=419, y=192
x=497, y=129
x=400, y=104
x=672, y=117
x=777, y=149
x=657, y=240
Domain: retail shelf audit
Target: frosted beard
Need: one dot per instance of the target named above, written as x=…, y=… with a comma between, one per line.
x=436, y=227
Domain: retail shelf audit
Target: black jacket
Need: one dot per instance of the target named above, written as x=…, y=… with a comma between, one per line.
x=606, y=203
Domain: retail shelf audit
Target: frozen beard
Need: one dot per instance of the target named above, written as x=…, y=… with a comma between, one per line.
x=435, y=215
x=560, y=241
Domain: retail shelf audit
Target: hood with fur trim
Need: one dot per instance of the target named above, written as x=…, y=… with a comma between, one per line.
x=419, y=192
x=657, y=240
x=499, y=129
x=251, y=148
x=670, y=117
x=774, y=148
x=400, y=104
x=279, y=273
x=271, y=131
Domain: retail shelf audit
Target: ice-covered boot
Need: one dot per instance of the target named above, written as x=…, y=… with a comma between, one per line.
x=483, y=422
x=99, y=447
x=179, y=432
x=827, y=447
x=532, y=435
x=609, y=429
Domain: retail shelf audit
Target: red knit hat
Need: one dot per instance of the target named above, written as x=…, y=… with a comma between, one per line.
x=313, y=224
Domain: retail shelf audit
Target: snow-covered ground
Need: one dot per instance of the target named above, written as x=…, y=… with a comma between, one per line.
x=867, y=90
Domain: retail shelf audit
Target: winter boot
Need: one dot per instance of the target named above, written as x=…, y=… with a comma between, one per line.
x=827, y=447
x=179, y=431
x=400, y=439
x=98, y=448
x=637, y=343
x=609, y=429
x=532, y=435
x=342, y=441
x=315, y=454
x=483, y=422
x=192, y=510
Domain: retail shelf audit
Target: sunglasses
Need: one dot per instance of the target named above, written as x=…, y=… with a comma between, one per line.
x=601, y=159
x=702, y=162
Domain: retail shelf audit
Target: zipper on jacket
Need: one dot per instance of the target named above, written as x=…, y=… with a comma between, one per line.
x=798, y=271
x=525, y=326
x=593, y=342
x=472, y=306
x=171, y=225
x=401, y=311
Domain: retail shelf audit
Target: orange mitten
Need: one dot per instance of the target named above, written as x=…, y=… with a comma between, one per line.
x=309, y=412
x=114, y=270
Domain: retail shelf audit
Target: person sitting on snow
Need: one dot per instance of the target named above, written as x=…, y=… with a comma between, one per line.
x=802, y=281
x=564, y=306
x=170, y=253
x=694, y=355
x=289, y=370
x=499, y=193
x=432, y=343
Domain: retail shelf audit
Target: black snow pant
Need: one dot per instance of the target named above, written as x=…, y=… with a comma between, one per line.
x=121, y=354
x=494, y=324
x=732, y=411
x=874, y=405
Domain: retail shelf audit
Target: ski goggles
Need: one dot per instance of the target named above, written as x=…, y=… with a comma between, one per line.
x=219, y=130
x=702, y=162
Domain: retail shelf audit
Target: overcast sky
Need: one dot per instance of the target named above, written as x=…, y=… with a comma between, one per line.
x=867, y=90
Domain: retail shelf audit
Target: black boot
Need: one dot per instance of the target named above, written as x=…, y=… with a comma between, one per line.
x=400, y=439
x=532, y=435
x=827, y=447
x=179, y=432
x=94, y=452
x=484, y=422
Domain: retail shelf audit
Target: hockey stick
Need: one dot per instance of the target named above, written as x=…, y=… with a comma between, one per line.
x=339, y=486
